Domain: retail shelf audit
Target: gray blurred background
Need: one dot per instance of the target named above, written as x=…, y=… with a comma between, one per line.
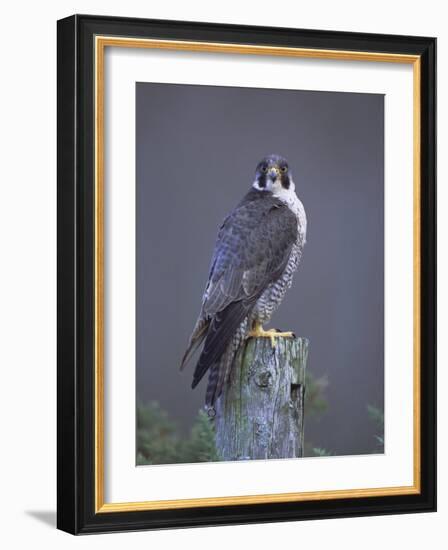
x=197, y=148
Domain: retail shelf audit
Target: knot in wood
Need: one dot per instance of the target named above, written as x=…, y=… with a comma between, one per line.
x=263, y=379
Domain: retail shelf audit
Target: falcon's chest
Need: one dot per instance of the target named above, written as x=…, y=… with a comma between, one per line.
x=293, y=202
x=274, y=294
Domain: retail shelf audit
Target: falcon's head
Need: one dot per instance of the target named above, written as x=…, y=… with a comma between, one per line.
x=273, y=174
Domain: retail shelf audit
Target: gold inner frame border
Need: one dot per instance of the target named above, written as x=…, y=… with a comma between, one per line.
x=100, y=44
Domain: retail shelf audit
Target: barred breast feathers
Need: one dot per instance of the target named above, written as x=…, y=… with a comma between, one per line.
x=274, y=294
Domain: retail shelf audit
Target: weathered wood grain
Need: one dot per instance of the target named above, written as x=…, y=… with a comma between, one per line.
x=260, y=413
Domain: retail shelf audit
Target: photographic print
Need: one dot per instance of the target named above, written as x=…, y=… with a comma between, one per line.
x=259, y=273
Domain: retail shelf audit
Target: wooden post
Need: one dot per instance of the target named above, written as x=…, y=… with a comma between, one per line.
x=260, y=411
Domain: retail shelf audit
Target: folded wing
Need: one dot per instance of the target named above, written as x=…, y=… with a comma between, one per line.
x=251, y=252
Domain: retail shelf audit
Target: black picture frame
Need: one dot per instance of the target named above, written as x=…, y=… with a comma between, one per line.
x=76, y=254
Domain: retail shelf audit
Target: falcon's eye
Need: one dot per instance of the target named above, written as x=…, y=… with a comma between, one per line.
x=284, y=168
x=264, y=168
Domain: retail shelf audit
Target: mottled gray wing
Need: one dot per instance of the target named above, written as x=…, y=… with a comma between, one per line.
x=252, y=250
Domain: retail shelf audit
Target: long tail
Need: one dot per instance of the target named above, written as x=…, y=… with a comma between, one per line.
x=196, y=339
x=218, y=375
x=220, y=334
x=220, y=371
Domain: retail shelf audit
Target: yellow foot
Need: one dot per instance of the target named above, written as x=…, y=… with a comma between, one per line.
x=259, y=332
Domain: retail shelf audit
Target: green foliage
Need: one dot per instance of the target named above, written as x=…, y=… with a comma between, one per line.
x=376, y=415
x=200, y=447
x=315, y=401
x=158, y=440
x=318, y=451
x=315, y=405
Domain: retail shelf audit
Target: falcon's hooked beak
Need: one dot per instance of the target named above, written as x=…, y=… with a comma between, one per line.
x=273, y=173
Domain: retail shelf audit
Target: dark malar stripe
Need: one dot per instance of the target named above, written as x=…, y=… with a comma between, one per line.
x=262, y=181
x=285, y=181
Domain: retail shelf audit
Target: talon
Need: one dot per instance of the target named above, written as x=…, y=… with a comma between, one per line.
x=259, y=332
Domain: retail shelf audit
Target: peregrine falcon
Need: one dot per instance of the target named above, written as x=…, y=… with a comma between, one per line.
x=257, y=251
